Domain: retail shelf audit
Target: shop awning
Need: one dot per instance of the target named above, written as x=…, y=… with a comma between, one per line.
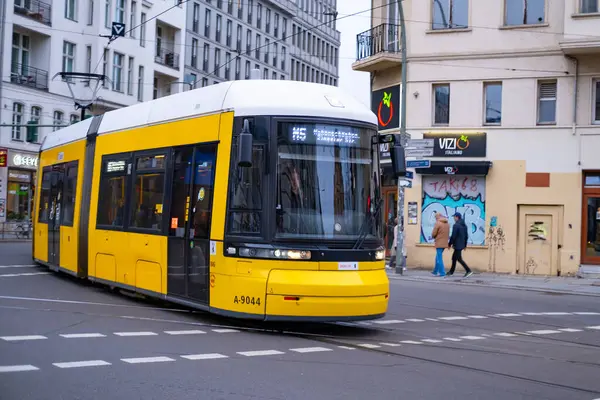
x=456, y=168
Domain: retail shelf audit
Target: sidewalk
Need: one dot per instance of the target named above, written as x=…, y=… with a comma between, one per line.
x=557, y=284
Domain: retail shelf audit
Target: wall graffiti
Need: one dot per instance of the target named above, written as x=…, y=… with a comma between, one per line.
x=449, y=194
x=496, y=240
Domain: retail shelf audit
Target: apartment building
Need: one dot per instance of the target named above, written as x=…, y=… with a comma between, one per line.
x=40, y=38
x=284, y=39
x=510, y=92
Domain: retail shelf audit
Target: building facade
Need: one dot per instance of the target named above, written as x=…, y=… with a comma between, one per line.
x=41, y=38
x=284, y=39
x=510, y=92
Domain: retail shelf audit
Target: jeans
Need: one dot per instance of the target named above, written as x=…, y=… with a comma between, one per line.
x=439, y=263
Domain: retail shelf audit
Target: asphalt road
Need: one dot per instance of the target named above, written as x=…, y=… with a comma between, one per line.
x=63, y=339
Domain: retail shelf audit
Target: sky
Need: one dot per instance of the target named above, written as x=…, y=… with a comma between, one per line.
x=354, y=82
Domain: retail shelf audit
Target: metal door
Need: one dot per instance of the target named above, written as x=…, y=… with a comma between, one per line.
x=54, y=216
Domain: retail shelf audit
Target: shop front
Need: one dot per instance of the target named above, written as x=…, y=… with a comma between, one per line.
x=18, y=180
x=590, y=235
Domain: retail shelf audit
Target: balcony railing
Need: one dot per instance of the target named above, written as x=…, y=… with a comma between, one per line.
x=29, y=76
x=167, y=57
x=34, y=9
x=384, y=38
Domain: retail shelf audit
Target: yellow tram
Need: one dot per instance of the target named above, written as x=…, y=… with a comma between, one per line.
x=251, y=199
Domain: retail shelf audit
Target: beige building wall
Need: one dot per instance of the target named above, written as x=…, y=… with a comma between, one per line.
x=564, y=48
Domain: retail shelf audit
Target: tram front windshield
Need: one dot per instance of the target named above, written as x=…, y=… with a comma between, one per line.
x=327, y=178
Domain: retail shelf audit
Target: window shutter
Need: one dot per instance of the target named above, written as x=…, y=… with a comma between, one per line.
x=548, y=90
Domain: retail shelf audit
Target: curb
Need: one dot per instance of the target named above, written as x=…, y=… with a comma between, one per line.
x=461, y=282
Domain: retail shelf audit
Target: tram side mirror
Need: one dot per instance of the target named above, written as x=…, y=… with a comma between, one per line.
x=398, y=160
x=245, y=146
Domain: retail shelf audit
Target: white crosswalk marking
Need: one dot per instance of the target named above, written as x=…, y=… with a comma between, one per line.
x=388, y=321
x=310, y=349
x=415, y=320
x=26, y=337
x=81, y=335
x=477, y=316
x=24, y=274
x=471, y=337
x=570, y=330
x=369, y=346
x=190, y=332
x=593, y=327
x=452, y=318
x=410, y=342
x=431, y=341
x=391, y=344
x=543, y=332
x=224, y=330
x=451, y=339
x=347, y=347
x=17, y=368
x=260, y=353
x=507, y=315
x=505, y=334
x=136, y=334
x=142, y=360
x=208, y=356
x=80, y=364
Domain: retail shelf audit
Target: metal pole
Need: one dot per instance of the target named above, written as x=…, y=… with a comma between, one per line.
x=82, y=113
x=400, y=260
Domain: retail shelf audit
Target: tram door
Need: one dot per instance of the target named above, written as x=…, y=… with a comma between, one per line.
x=189, y=225
x=54, y=216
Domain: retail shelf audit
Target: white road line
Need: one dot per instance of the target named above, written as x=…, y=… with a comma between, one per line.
x=17, y=368
x=364, y=323
x=586, y=313
x=136, y=333
x=190, y=332
x=17, y=266
x=141, y=360
x=452, y=318
x=451, y=339
x=557, y=313
x=532, y=313
x=523, y=333
x=471, y=337
x=391, y=344
x=260, y=353
x=208, y=356
x=506, y=315
x=410, y=342
x=416, y=320
x=593, y=327
x=570, y=330
x=80, y=364
x=24, y=274
x=224, y=330
x=27, y=337
x=369, y=346
x=81, y=335
x=388, y=321
x=431, y=341
x=431, y=319
x=505, y=334
x=543, y=332
x=347, y=347
x=310, y=349
x=477, y=316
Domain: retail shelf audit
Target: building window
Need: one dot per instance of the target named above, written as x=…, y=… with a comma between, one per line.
x=19, y=196
x=227, y=65
x=589, y=6
x=247, y=70
x=207, y=24
x=493, y=103
x=132, y=19
x=267, y=47
x=216, y=72
x=547, y=102
x=194, y=61
x=268, y=21
x=525, y=12
x=130, y=76
x=107, y=20
x=439, y=196
x=140, y=96
x=237, y=68
x=58, y=120
x=283, y=54
x=36, y=116
x=275, y=55
x=70, y=9
x=450, y=14
x=259, y=16
x=265, y=73
x=248, y=41
x=196, y=18
x=143, y=30
x=239, y=39
x=240, y=12
x=88, y=62
x=205, y=56
x=105, y=61
x=597, y=101
x=17, y=119
x=276, y=26
x=118, y=72
x=257, y=48
x=284, y=29
x=219, y=27
x=74, y=118
x=250, y=9
x=90, y=12
x=230, y=6
x=229, y=31
x=441, y=110
x=204, y=82
x=120, y=11
x=68, y=57
x=20, y=54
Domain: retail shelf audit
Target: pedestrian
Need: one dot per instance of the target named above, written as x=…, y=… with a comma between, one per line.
x=394, y=245
x=441, y=233
x=458, y=240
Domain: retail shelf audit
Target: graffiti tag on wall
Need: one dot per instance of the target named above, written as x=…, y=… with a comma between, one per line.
x=449, y=194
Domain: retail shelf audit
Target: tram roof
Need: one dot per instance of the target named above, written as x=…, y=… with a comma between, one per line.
x=243, y=97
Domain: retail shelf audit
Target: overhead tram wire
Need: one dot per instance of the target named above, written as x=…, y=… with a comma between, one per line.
x=335, y=17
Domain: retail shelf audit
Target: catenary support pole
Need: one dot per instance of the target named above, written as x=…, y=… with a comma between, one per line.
x=400, y=259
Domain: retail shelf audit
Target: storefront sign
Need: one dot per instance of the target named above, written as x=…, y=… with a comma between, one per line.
x=458, y=144
x=23, y=160
x=385, y=103
x=3, y=157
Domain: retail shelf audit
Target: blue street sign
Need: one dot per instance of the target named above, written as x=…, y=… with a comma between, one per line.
x=409, y=175
x=418, y=164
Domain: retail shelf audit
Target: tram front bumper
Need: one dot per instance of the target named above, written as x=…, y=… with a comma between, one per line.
x=296, y=295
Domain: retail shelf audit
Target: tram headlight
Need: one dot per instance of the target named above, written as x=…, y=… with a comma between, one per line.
x=379, y=255
x=278, y=254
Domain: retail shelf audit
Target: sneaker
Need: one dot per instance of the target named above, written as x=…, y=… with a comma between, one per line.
x=468, y=274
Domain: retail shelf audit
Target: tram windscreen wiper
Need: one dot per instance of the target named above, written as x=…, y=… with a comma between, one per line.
x=367, y=224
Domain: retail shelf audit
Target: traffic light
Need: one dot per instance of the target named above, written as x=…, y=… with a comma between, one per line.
x=32, y=131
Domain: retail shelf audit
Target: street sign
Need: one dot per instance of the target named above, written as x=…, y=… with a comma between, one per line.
x=420, y=143
x=409, y=175
x=422, y=152
x=418, y=164
x=118, y=29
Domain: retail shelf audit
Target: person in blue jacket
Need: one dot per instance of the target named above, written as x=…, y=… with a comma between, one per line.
x=458, y=240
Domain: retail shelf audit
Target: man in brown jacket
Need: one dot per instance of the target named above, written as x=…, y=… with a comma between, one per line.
x=441, y=234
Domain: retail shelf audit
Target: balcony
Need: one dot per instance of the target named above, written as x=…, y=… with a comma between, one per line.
x=34, y=9
x=29, y=76
x=167, y=57
x=378, y=48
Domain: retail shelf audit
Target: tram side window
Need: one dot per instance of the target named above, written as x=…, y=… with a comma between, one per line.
x=70, y=187
x=45, y=196
x=149, y=190
x=245, y=210
x=111, y=199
